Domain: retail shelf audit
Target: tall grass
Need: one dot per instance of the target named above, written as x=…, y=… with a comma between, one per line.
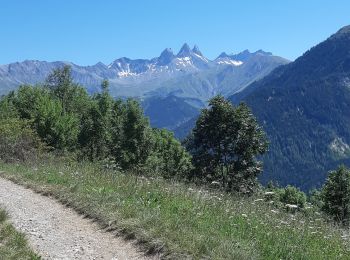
x=184, y=221
x=13, y=245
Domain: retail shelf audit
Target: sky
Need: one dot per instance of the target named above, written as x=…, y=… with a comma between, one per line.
x=88, y=31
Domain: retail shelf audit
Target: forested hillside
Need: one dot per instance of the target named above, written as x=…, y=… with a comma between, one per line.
x=304, y=108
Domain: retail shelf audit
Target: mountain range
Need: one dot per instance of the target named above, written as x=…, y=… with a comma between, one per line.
x=181, y=82
x=303, y=105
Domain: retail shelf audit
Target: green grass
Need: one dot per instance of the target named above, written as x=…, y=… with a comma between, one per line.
x=13, y=245
x=183, y=221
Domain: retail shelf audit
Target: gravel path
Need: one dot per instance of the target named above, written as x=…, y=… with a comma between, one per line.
x=56, y=232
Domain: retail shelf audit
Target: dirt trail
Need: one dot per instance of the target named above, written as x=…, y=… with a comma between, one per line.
x=56, y=232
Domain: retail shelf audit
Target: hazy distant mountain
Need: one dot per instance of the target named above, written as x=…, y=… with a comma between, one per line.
x=187, y=75
x=305, y=109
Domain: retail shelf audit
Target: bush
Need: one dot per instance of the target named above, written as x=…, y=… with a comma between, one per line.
x=18, y=142
x=315, y=198
x=336, y=194
x=168, y=158
x=292, y=195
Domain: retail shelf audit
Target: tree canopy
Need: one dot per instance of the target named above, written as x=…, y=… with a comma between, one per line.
x=225, y=143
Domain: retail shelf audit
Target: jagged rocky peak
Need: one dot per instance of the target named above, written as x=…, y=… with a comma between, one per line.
x=166, y=56
x=246, y=54
x=185, y=51
x=223, y=55
x=261, y=52
x=196, y=50
x=100, y=64
x=242, y=56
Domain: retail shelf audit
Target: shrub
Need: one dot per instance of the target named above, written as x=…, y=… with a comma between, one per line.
x=168, y=158
x=292, y=195
x=315, y=198
x=18, y=142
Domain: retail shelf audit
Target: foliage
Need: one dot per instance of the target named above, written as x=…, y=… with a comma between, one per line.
x=292, y=195
x=315, y=198
x=136, y=142
x=169, y=157
x=96, y=127
x=224, y=144
x=95, y=136
x=18, y=142
x=336, y=194
x=57, y=129
x=26, y=100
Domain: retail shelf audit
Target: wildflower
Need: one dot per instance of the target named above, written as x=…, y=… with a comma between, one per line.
x=291, y=206
x=244, y=215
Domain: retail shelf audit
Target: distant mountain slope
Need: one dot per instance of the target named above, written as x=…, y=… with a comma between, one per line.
x=187, y=75
x=169, y=112
x=305, y=109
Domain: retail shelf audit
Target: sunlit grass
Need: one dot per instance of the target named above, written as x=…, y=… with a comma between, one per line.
x=13, y=245
x=183, y=220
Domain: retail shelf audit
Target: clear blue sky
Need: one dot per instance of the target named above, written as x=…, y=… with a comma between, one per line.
x=88, y=31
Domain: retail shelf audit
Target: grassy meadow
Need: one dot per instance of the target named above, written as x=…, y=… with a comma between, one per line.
x=183, y=221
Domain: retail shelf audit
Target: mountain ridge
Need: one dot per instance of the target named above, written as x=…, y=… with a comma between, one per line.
x=187, y=75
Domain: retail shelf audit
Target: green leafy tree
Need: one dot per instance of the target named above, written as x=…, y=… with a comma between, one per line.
x=59, y=130
x=117, y=130
x=95, y=136
x=72, y=97
x=7, y=108
x=59, y=82
x=136, y=141
x=89, y=136
x=336, y=194
x=26, y=99
x=224, y=144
